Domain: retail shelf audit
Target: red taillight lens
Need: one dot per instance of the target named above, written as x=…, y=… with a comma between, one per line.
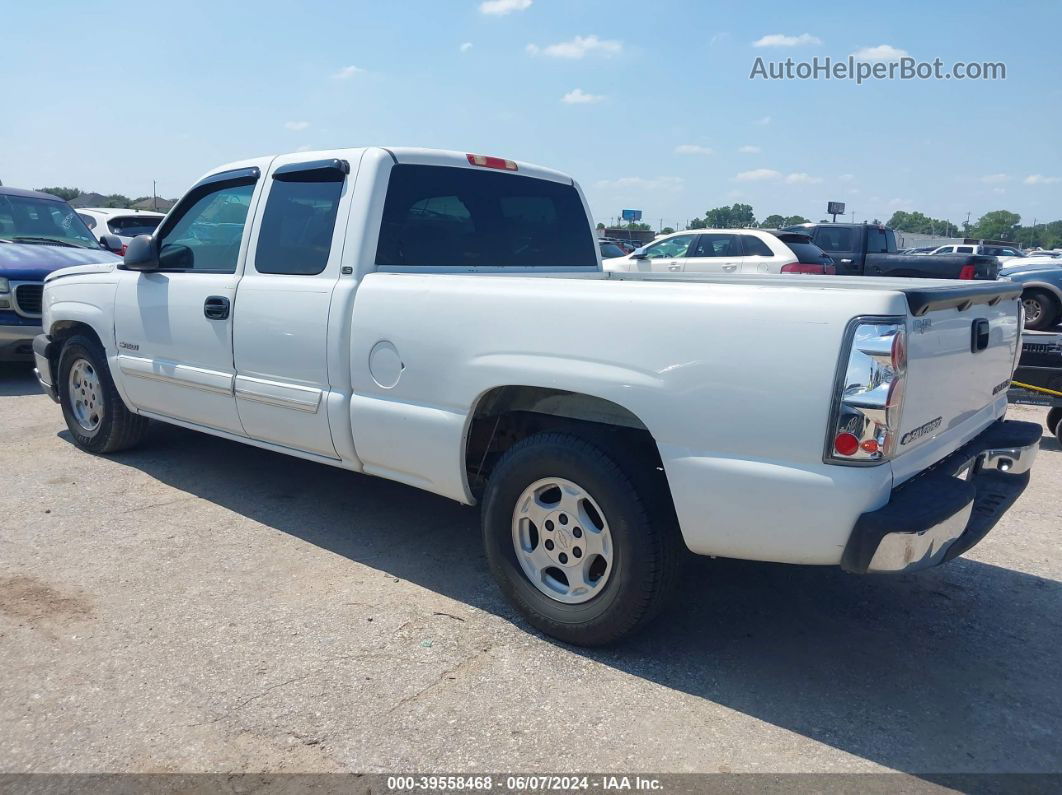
x=124, y=247
x=487, y=161
x=801, y=267
x=846, y=444
x=967, y=272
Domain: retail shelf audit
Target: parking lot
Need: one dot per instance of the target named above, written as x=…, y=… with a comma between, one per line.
x=199, y=605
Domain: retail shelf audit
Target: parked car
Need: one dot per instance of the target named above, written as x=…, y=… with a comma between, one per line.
x=1002, y=253
x=126, y=224
x=1041, y=292
x=739, y=251
x=870, y=250
x=917, y=250
x=401, y=313
x=39, y=233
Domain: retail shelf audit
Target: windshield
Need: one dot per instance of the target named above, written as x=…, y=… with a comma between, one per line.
x=42, y=220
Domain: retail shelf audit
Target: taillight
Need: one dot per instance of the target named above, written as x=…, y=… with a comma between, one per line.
x=865, y=418
x=124, y=247
x=801, y=267
x=486, y=161
x=967, y=272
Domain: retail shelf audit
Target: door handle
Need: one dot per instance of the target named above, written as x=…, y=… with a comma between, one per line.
x=674, y=267
x=729, y=268
x=216, y=307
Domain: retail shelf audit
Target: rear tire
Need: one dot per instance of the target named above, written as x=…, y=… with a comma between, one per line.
x=94, y=411
x=572, y=542
x=1041, y=310
x=1054, y=416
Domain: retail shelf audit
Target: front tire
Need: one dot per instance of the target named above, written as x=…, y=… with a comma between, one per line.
x=572, y=542
x=95, y=414
x=1041, y=310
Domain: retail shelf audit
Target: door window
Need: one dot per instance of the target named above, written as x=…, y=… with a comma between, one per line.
x=297, y=227
x=754, y=247
x=670, y=248
x=876, y=242
x=718, y=245
x=206, y=237
x=834, y=238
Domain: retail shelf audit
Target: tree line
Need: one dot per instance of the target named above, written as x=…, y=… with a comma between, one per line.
x=116, y=200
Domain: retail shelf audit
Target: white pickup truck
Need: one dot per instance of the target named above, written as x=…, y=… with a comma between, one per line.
x=442, y=320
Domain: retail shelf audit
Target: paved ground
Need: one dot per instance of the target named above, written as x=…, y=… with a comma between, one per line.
x=199, y=605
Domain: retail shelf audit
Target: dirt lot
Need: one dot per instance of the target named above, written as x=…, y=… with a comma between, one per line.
x=199, y=605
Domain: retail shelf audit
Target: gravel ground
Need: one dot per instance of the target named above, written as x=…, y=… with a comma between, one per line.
x=200, y=605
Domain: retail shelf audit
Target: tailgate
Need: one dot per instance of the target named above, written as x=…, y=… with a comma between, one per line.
x=961, y=345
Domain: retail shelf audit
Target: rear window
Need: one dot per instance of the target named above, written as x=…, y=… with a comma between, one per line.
x=133, y=225
x=440, y=216
x=808, y=253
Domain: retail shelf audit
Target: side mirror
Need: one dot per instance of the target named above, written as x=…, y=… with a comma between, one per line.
x=141, y=255
x=112, y=243
x=639, y=254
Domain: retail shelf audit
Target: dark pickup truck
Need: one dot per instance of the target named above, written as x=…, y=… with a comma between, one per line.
x=870, y=250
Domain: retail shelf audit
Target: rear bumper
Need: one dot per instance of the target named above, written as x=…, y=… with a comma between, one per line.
x=16, y=342
x=42, y=350
x=940, y=514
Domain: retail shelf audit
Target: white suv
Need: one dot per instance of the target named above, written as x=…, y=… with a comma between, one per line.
x=744, y=251
x=126, y=224
x=1002, y=253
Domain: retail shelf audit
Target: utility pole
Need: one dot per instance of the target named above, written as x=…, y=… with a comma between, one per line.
x=154, y=196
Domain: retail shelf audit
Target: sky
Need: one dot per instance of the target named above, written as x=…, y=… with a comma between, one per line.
x=649, y=106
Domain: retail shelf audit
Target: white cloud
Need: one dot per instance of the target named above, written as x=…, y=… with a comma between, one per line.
x=846, y=177
x=758, y=175
x=578, y=47
x=296, y=125
x=579, y=97
x=749, y=150
x=781, y=40
x=763, y=121
x=637, y=184
x=882, y=52
x=1040, y=179
x=501, y=7
x=347, y=72
x=465, y=47
x=995, y=178
x=802, y=178
x=692, y=149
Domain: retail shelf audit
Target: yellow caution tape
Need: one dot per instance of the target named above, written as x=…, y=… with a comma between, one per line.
x=1036, y=388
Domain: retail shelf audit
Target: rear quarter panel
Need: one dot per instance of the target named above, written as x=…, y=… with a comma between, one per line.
x=738, y=410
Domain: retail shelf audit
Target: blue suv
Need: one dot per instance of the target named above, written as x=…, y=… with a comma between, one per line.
x=39, y=233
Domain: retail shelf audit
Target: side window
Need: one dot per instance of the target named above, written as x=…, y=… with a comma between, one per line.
x=945, y=250
x=90, y=222
x=445, y=216
x=876, y=242
x=754, y=247
x=717, y=245
x=670, y=248
x=964, y=249
x=297, y=226
x=834, y=238
x=206, y=237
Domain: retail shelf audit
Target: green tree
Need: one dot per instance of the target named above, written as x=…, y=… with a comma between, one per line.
x=997, y=225
x=793, y=220
x=773, y=221
x=697, y=223
x=733, y=217
x=922, y=224
x=667, y=230
x=62, y=193
x=600, y=225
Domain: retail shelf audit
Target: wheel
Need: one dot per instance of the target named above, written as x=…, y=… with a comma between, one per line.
x=1041, y=309
x=95, y=414
x=1053, y=417
x=572, y=541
